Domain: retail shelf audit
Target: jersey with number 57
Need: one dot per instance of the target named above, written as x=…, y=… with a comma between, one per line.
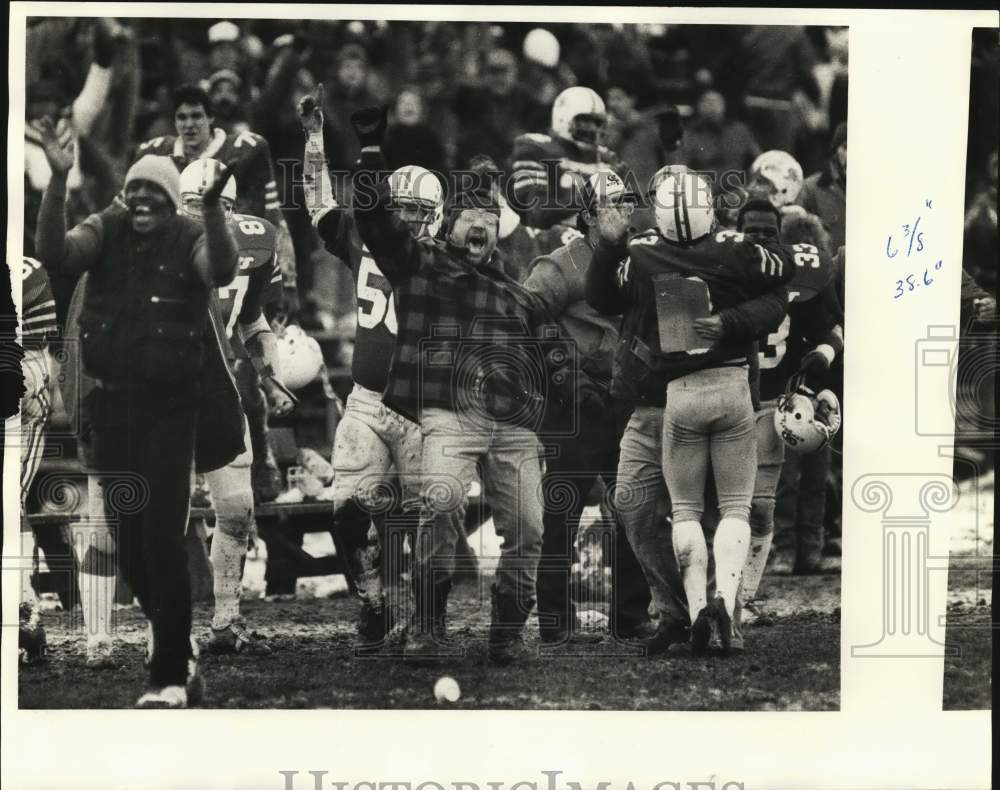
x=257, y=282
x=376, y=328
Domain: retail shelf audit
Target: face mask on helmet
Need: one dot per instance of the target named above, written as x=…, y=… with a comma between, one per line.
x=806, y=421
x=578, y=115
x=195, y=179
x=416, y=193
x=779, y=174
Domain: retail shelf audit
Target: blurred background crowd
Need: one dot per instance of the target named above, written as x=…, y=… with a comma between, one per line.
x=711, y=97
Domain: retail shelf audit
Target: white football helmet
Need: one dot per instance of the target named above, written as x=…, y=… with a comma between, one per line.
x=195, y=179
x=412, y=184
x=683, y=207
x=660, y=175
x=300, y=357
x=579, y=104
x=781, y=173
x=806, y=421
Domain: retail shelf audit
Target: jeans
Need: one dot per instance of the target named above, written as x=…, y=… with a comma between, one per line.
x=709, y=417
x=512, y=485
x=573, y=465
x=144, y=452
x=643, y=505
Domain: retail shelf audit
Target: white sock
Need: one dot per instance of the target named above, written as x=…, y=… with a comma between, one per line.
x=28, y=595
x=753, y=568
x=95, y=545
x=227, y=577
x=692, y=559
x=731, y=547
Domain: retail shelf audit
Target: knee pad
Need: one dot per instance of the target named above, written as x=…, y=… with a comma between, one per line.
x=762, y=516
x=234, y=513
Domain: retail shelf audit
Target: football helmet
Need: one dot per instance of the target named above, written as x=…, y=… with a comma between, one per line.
x=683, y=207
x=660, y=175
x=578, y=115
x=412, y=185
x=780, y=173
x=806, y=421
x=300, y=357
x=195, y=179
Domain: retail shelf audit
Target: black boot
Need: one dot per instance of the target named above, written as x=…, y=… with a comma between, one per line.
x=427, y=638
x=507, y=627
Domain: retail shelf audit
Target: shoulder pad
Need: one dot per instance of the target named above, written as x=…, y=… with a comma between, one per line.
x=156, y=144
x=246, y=138
x=536, y=137
x=253, y=232
x=645, y=238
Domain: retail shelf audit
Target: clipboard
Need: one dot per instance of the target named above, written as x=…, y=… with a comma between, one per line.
x=679, y=301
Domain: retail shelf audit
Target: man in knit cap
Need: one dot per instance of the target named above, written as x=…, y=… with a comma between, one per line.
x=142, y=330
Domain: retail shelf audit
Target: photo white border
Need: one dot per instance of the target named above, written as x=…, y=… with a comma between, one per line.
x=908, y=116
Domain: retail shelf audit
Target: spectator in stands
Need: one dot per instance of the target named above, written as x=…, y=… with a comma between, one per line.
x=493, y=111
x=346, y=92
x=634, y=135
x=777, y=62
x=979, y=252
x=410, y=139
x=825, y=193
x=713, y=143
x=224, y=89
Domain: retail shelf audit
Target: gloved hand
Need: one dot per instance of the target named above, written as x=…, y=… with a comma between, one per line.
x=104, y=43
x=210, y=197
x=280, y=400
x=814, y=364
x=369, y=125
x=310, y=111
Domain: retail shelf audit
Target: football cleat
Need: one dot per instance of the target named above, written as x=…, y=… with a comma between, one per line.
x=32, y=644
x=701, y=632
x=374, y=624
x=668, y=633
x=164, y=698
x=723, y=622
x=236, y=638
x=100, y=654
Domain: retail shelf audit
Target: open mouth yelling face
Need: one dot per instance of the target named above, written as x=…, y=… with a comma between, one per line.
x=476, y=230
x=148, y=204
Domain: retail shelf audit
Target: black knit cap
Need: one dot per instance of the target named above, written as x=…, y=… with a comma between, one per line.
x=480, y=193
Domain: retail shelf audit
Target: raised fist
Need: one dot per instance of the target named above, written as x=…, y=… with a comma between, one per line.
x=311, y=111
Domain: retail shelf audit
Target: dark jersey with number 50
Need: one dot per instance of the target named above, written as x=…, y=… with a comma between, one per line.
x=376, y=328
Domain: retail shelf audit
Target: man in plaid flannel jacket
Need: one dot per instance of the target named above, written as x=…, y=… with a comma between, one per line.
x=476, y=359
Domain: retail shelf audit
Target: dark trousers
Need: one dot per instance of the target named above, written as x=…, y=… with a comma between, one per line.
x=573, y=465
x=144, y=451
x=800, y=505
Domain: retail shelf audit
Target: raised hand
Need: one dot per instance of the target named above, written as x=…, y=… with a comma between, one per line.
x=611, y=224
x=60, y=154
x=310, y=109
x=211, y=195
x=369, y=124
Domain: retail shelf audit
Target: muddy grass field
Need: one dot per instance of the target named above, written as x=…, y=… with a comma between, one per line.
x=791, y=665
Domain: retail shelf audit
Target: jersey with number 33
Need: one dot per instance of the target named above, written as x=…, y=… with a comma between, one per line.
x=376, y=329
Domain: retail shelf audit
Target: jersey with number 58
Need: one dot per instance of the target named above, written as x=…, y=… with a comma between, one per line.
x=376, y=328
x=257, y=282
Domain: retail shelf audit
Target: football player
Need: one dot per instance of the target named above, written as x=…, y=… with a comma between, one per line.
x=198, y=138
x=548, y=171
x=237, y=316
x=371, y=437
x=38, y=326
x=804, y=345
x=669, y=278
